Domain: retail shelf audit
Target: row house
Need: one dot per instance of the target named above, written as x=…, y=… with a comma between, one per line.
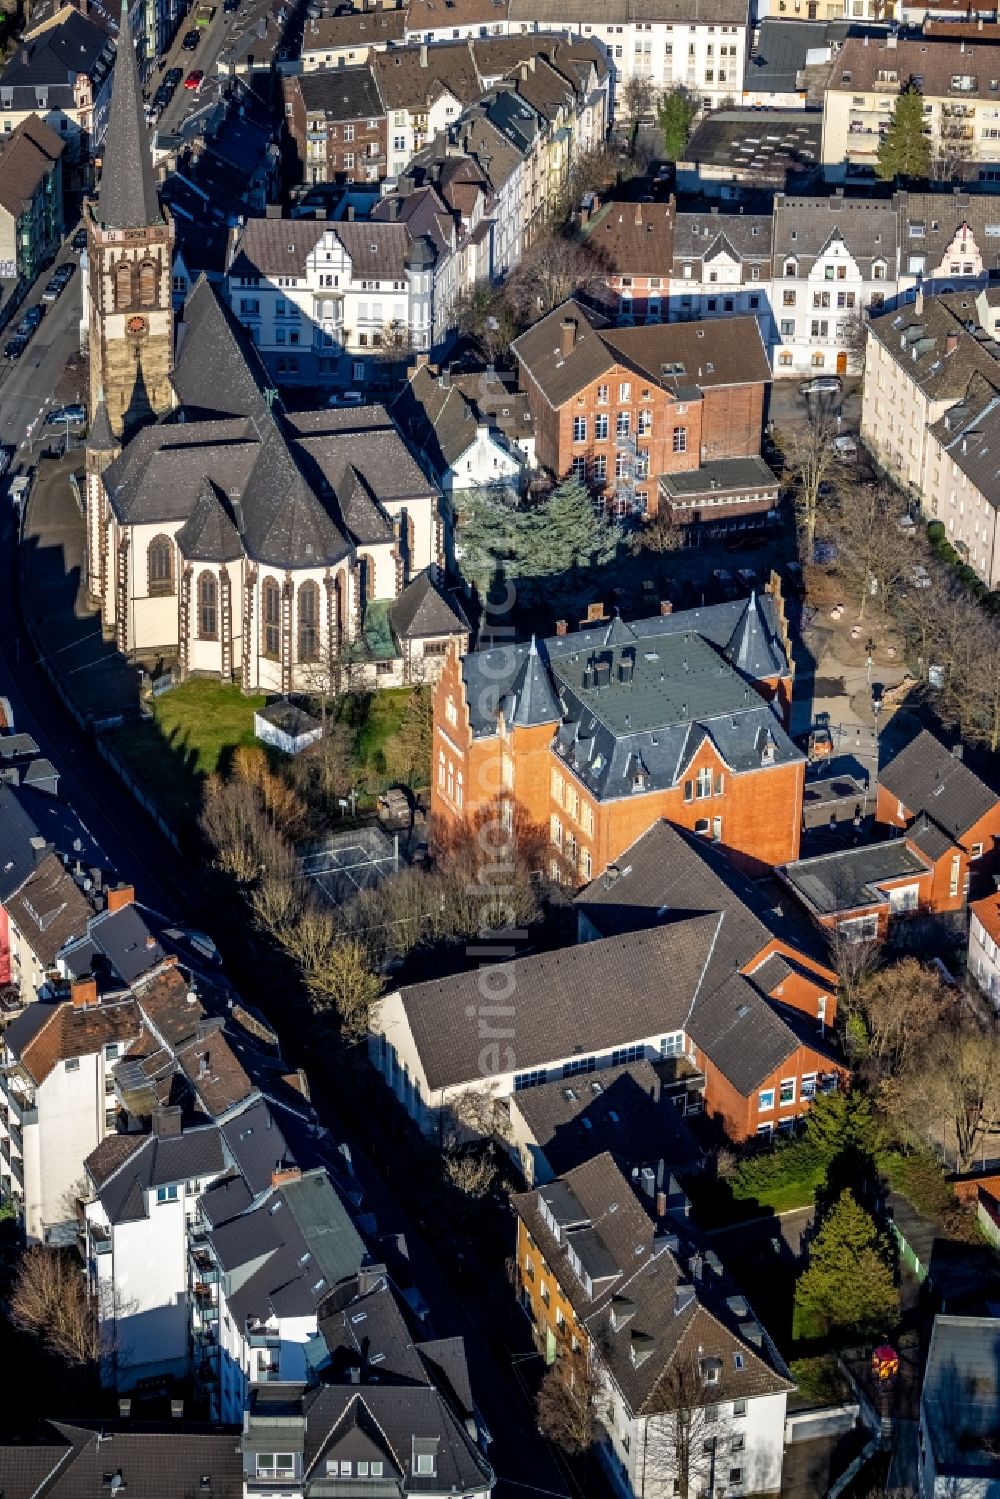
x=705, y=984
x=63, y=74
x=958, y=81
x=349, y=40
x=701, y=46
x=721, y=267
x=336, y=125
x=920, y=366
x=646, y=1307
x=944, y=825
x=470, y=430
x=630, y=410
x=632, y=245
x=833, y=263
x=711, y=753
x=383, y=1413
x=31, y=199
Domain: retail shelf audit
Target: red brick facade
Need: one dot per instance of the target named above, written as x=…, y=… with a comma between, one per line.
x=974, y=856
x=333, y=150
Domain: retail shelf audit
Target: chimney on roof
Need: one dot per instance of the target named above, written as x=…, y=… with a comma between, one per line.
x=125, y=1408
x=83, y=993
x=446, y=377
x=423, y=54
x=959, y=752
x=24, y=57
x=567, y=336
x=918, y=302
x=167, y=1121
x=638, y=215
x=120, y=897
x=350, y=213
x=562, y=628
x=666, y=607
x=177, y=1410
x=282, y=1174
x=661, y=1204
x=950, y=344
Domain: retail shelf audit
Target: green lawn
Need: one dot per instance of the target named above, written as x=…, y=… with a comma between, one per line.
x=194, y=729
x=376, y=723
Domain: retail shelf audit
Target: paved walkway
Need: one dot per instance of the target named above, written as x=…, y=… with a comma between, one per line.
x=100, y=685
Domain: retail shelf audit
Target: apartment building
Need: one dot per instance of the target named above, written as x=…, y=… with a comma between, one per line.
x=31, y=200
x=637, y=1300
x=833, y=261
x=349, y=40
x=336, y=124
x=385, y=1413
x=470, y=430
x=633, y=244
x=702, y=45
x=709, y=751
x=984, y=945
x=62, y=73
x=324, y=298
x=661, y=414
x=958, y=81
x=919, y=364
x=57, y=1102
x=721, y=267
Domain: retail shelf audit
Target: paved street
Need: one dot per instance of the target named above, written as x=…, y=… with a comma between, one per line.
x=29, y=387
x=163, y=878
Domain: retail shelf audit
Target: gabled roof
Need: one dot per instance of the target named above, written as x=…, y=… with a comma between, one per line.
x=341, y=93
x=683, y=358
x=927, y=777
x=127, y=195
x=646, y=1312
x=29, y=154
x=585, y=999
x=49, y=909
x=72, y=1461
x=70, y=1031
x=154, y=1161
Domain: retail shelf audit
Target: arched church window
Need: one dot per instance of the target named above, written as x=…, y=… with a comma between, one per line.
x=208, y=607
x=147, y=283
x=271, y=611
x=309, y=622
x=160, y=560
x=123, y=284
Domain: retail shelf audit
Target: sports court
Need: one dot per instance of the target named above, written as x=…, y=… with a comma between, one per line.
x=341, y=864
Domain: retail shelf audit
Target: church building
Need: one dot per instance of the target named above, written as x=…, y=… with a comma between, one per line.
x=284, y=551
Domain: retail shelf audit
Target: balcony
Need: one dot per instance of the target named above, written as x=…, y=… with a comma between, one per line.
x=100, y=1239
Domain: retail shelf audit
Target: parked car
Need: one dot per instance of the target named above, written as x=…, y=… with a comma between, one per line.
x=30, y=321
x=15, y=346
x=194, y=81
x=172, y=78
x=346, y=398
x=79, y=240
x=191, y=40
x=70, y=416
x=230, y=6
x=823, y=385
x=53, y=290
x=845, y=448
x=20, y=487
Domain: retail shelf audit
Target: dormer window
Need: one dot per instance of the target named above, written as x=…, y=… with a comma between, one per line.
x=711, y=1371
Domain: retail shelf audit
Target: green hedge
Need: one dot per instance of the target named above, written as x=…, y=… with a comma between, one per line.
x=935, y=531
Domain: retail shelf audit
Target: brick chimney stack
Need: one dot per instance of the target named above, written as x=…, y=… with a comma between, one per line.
x=282, y=1174
x=120, y=897
x=83, y=993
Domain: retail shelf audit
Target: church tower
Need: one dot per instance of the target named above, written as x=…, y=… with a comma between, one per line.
x=130, y=241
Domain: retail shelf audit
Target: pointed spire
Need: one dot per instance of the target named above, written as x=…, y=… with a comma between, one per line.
x=127, y=197
x=100, y=438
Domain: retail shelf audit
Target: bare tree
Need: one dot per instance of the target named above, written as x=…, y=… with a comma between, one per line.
x=855, y=339
x=950, y=1089
x=471, y=1168
x=810, y=455
x=688, y=1446
x=855, y=964
x=52, y=1301
x=566, y=1403
x=952, y=147
x=552, y=270
x=902, y=1004
x=865, y=516
x=638, y=98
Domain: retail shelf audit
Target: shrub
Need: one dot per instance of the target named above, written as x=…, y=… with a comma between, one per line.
x=935, y=531
x=947, y=552
x=789, y=1163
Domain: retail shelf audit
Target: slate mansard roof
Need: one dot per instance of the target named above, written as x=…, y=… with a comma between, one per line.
x=630, y=704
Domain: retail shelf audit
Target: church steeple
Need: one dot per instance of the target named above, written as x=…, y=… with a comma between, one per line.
x=127, y=198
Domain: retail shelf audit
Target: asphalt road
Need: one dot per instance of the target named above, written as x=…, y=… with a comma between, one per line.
x=163, y=880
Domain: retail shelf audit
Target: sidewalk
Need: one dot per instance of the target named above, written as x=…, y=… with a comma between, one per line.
x=97, y=683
